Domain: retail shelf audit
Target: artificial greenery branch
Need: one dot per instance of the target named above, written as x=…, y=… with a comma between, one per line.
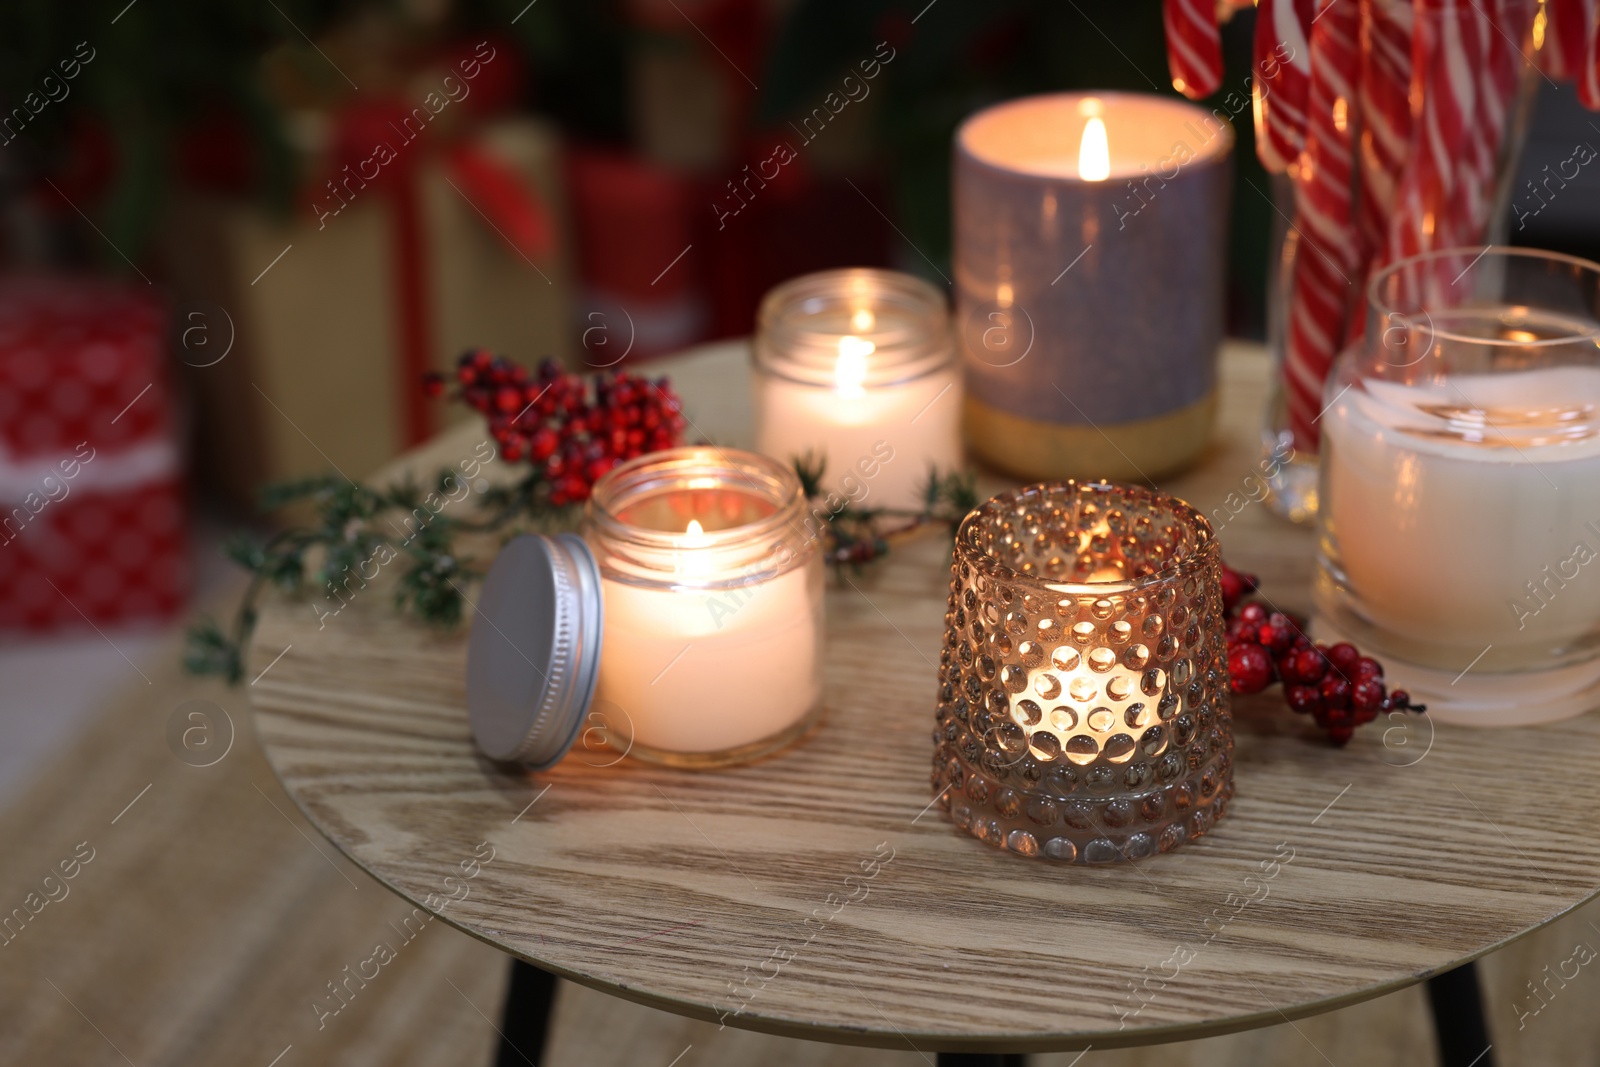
x=570, y=430
x=857, y=535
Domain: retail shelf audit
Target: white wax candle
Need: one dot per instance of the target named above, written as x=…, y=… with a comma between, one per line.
x=880, y=440
x=694, y=669
x=1114, y=136
x=1451, y=535
x=858, y=367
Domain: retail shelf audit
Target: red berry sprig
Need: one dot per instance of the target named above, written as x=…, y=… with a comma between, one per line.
x=1336, y=685
x=570, y=427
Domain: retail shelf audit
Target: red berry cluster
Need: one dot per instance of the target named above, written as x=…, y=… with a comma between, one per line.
x=571, y=428
x=1336, y=685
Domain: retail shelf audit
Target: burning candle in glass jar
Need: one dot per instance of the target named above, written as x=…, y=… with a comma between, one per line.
x=712, y=591
x=858, y=366
x=1460, y=485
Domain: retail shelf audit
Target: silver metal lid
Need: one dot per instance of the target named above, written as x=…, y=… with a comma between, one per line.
x=534, y=653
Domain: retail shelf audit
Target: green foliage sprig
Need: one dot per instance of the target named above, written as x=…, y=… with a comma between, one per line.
x=859, y=535
x=355, y=524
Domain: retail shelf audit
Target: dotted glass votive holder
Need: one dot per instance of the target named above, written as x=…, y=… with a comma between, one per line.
x=1083, y=688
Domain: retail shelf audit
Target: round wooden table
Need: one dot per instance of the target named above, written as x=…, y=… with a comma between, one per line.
x=1336, y=875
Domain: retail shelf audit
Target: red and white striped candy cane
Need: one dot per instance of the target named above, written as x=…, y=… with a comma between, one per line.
x=1383, y=102
x=1568, y=29
x=1443, y=100
x=1589, y=77
x=1282, y=79
x=1503, y=36
x=1329, y=255
x=1474, y=155
x=1194, y=46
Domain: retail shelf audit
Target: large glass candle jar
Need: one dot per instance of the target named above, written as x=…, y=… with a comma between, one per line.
x=858, y=367
x=712, y=587
x=1083, y=702
x=1460, y=484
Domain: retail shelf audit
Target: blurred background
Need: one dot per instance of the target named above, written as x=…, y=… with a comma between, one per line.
x=254, y=224
x=575, y=179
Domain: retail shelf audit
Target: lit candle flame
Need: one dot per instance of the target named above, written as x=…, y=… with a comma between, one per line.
x=850, y=372
x=863, y=320
x=691, y=564
x=1094, y=154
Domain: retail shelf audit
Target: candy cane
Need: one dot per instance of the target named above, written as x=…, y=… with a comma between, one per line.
x=1443, y=97
x=1194, y=46
x=1568, y=30
x=1499, y=71
x=1589, y=77
x=1475, y=153
x=1383, y=103
x=1282, y=80
x=1329, y=254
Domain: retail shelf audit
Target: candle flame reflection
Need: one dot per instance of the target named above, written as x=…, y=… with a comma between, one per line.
x=863, y=320
x=1094, y=154
x=850, y=372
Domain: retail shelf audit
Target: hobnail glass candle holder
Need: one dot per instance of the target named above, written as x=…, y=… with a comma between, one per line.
x=1083, y=688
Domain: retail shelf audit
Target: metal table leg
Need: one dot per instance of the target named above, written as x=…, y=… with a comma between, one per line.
x=525, y=1019
x=1456, y=998
x=1458, y=1022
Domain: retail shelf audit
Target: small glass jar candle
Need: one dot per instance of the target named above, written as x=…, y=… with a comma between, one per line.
x=1083, y=702
x=859, y=366
x=1459, y=499
x=712, y=588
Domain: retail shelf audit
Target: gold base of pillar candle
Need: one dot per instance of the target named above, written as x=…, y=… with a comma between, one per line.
x=1126, y=451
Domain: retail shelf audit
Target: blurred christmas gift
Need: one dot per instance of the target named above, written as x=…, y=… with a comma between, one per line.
x=434, y=222
x=92, y=528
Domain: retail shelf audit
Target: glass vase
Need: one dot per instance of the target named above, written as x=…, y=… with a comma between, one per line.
x=1408, y=193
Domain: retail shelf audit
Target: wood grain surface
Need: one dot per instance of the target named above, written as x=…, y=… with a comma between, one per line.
x=1412, y=850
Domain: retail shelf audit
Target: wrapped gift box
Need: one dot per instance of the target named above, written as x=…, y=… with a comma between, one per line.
x=92, y=526
x=317, y=376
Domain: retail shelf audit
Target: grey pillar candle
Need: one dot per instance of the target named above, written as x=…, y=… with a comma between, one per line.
x=1090, y=252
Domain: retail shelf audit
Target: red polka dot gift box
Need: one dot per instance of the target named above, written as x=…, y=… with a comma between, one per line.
x=92, y=525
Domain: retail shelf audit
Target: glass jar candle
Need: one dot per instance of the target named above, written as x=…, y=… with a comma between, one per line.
x=858, y=366
x=1083, y=704
x=712, y=588
x=1460, y=484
